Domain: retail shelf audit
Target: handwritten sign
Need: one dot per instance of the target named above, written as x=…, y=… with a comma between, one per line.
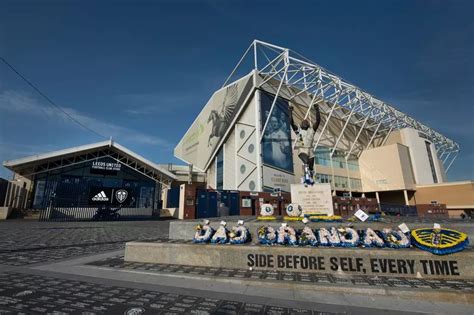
x=361, y=215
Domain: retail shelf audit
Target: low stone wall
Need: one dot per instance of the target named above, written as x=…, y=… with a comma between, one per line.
x=184, y=230
x=351, y=261
x=5, y=212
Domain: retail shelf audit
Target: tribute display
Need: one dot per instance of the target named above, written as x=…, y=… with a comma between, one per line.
x=437, y=241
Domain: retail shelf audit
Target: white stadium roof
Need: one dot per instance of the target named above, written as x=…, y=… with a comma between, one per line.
x=295, y=77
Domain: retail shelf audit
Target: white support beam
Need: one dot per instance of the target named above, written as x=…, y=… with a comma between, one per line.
x=373, y=135
x=328, y=118
x=300, y=77
x=342, y=131
x=452, y=161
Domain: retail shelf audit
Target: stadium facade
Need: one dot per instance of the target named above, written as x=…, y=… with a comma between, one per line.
x=240, y=152
x=73, y=183
x=243, y=141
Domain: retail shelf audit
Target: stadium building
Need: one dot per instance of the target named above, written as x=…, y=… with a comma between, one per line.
x=240, y=152
x=73, y=183
x=243, y=141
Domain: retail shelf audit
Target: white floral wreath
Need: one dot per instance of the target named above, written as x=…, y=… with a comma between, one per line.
x=395, y=239
x=239, y=234
x=329, y=237
x=266, y=235
x=308, y=237
x=286, y=235
x=348, y=236
x=371, y=239
x=203, y=233
x=221, y=235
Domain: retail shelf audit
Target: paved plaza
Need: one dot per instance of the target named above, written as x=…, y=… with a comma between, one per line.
x=78, y=268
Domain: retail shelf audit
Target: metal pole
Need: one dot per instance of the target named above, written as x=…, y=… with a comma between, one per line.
x=359, y=133
x=388, y=134
x=238, y=64
x=373, y=136
x=342, y=131
x=325, y=125
x=447, y=169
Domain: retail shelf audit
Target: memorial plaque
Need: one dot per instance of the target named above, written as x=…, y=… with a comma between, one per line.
x=313, y=199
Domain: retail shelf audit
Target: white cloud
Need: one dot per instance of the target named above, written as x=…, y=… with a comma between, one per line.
x=14, y=101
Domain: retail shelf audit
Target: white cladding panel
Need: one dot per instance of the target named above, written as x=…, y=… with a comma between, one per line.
x=211, y=175
x=246, y=149
x=202, y=139
x=229, y=162
x=419, y=157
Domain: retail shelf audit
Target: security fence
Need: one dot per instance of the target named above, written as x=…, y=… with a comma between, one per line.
x=96, y=214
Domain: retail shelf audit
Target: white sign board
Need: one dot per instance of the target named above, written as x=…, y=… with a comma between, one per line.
x=276, y=179
x=246, y=203
x=404, y=228
x=313, y=199
x=106, y=166
x=361, y=215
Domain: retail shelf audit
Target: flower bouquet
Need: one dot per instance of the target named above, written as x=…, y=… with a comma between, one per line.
x=325, y=218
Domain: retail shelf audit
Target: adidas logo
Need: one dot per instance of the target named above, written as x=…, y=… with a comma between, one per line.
x=100, y=197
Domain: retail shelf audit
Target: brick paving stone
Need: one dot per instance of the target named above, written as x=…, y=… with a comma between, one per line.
x=24, y=243
x=357, y=280
x=27, y=294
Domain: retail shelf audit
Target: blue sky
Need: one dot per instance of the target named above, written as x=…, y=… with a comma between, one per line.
x=140, y=71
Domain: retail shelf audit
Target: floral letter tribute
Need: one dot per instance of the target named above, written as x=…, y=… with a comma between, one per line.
x=435, y=240
x=286, y=235
x=239, y=234
x=204, y=232
x=221, y=235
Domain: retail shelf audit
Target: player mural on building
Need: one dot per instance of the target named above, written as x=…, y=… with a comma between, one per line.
x=305, y=143
x=220, y=119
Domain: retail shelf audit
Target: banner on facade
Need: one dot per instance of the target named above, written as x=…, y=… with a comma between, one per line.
x=276, y=179
x=201, y=140
x=276, y=141
x=105, y=167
